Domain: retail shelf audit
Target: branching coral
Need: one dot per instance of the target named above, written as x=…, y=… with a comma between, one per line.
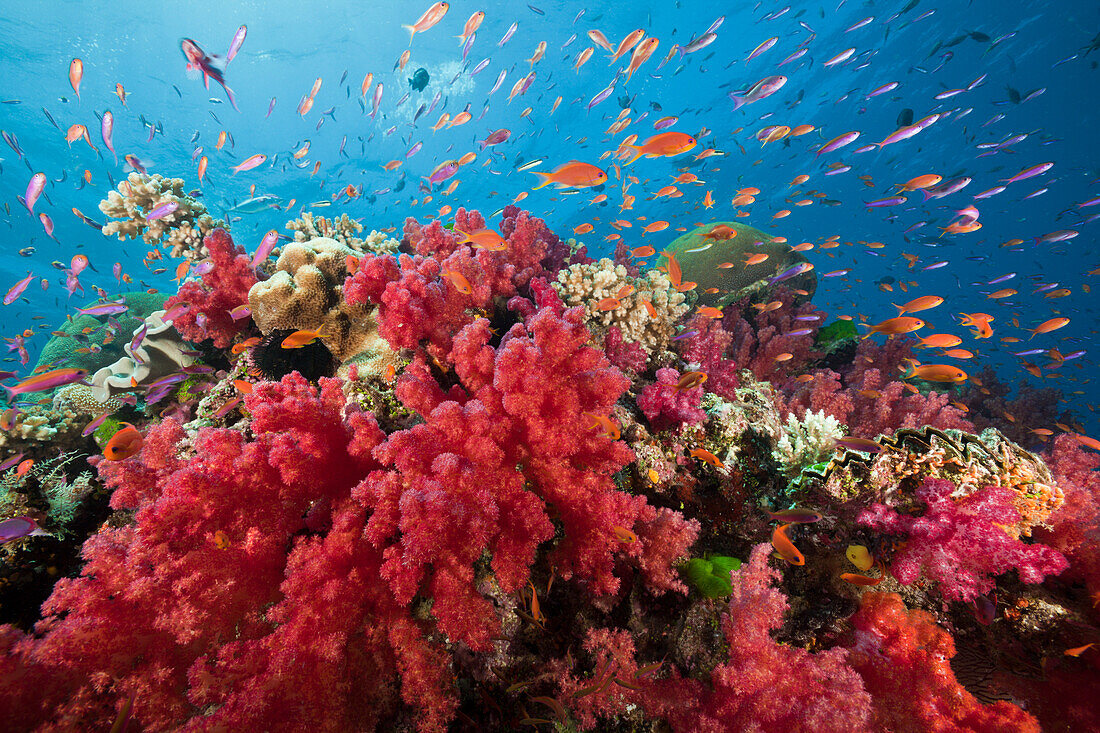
x=344, y=230
x=592, y=285
x=139, y=196
x=306, y=292
x=904, y=660
x=807, y=441
x=667, y=407
x=961, y=544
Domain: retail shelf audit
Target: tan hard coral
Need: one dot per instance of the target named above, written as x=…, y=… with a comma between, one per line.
x=344, y=230
x=306, y=292
x=181, y=230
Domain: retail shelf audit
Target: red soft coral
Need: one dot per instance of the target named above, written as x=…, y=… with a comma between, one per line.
x=1075, y=526
x=764, y=686
x=904, y=659
x=223, y=288
x=961, y=544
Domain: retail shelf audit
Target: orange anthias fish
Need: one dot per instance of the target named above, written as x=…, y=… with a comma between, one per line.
x=1047, y=326
x=431, y=16
x=304, y=337
x=123, y=444
x=922, y=303
x=662, y=145
x=76, y=73
x=489, y=239
x=980, y=323
x=896, y=326
x=929, y=179
x=720, y=232
x=460, y=282
x=786, y=549
x=934, y=372
x=607, y=425
x=939, y=341
x=573, y=174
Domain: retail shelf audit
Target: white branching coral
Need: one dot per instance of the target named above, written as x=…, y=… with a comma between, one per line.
x=593, y=284
x=807, y=441
x=344, y=230
x=181, y=230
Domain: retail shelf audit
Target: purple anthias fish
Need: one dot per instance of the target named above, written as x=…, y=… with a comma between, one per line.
x=1059, y=236
x=794, y=56
x=892, y=201
x=701, y=42
x=35, y=186
x=236, y=43
x=105, y=309
x=762, y=89
x=795, y=515
x=790, y=272
x=210, y=66
x=1031, y=172
x=882, y=90
x=266, y=245
x=443, y=171
x=17, y=528
x=945, y=189
x=162, y=210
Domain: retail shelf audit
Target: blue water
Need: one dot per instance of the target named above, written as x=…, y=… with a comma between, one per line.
x=1027, y=46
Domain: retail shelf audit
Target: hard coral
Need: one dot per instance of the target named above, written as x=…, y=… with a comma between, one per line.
x=904, y=660
x=139, y=195
x=223, y=288
x=961, y=544
x=306, y=292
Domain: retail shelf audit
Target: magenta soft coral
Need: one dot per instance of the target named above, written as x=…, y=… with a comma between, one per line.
x=1075, y=526
x=764, y=686
x=904, y=660
x=223, y=288
x=960, y=544
x=666, y=407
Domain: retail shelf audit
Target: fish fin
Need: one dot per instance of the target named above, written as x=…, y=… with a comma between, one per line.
x=545, y=179
x=927, y=196
x=637, y=153
x=901, y=309
x=738, y=102
x=412, y=32
x=465, y=235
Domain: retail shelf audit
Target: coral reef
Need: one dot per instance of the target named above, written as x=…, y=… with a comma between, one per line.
x=807, y=441
x=344, y=230
x=139, y=196
x=306, y=292
x=205, y=307
x=631, y=300
x=159, y=352
x=939, y=544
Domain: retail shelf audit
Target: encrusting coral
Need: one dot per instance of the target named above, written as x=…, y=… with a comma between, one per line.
x=306, y=292
x=139, y=196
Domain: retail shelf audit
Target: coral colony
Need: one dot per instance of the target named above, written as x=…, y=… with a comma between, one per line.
x=472, y=479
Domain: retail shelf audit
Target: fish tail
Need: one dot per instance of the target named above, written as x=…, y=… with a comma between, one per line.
x=545, y=179
x=412, y=32
x=901, y=309
x=635, y=154
x=927, y=196
x=738, y=102
x=465, y=235
x=232, y=99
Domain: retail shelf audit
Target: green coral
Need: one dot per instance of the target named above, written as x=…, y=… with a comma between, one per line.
x=106, y=431
x=711, y=576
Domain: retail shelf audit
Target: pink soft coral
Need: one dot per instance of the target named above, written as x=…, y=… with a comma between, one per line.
x=223, y=288
x=961, y=544
x=764, y=686
x=1075, y=526
x=904, y=659
x=667, y=407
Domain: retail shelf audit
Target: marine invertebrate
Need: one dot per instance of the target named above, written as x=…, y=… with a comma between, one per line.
x=83, y=400
x=961, y=543
x=903, y=658
x=207, y=305
x=139, y=196
x=306, y=292
x=807, y=441
x=344, y=230
x=612, y=297
x=667, y=406
x=160, y=351
x=1074, y=528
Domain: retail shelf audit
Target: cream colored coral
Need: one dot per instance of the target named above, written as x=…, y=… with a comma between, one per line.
x=807, y=441
x=587, y=285
x=344, y=230
x=374, y=358
x=139, y=195
x=380, y=244
x=306, y=292
x=82, y=399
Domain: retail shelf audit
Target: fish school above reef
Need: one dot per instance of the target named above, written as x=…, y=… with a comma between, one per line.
x=472, y=478
x=467, y=477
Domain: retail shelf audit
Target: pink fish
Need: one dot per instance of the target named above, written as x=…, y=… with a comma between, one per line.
x=134, y=162
x=47, y=224
x=117, y=270
x=249, y=163
x=35, y=187
x=78, y=264
x=266, y=245
x=210, y=66
x=47, y=380
x=72, y=283
x=235, y=44
x=270, y=107
x=443, y=171
x=16, y=290
x=106, y=127
x=168, y=207
x=840, y=58
x=838, y=142
x=496, y=137
x=764, y=46
x=135, y=343
x=882, y=90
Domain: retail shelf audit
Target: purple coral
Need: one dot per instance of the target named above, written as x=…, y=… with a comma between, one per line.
x=961, y=544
